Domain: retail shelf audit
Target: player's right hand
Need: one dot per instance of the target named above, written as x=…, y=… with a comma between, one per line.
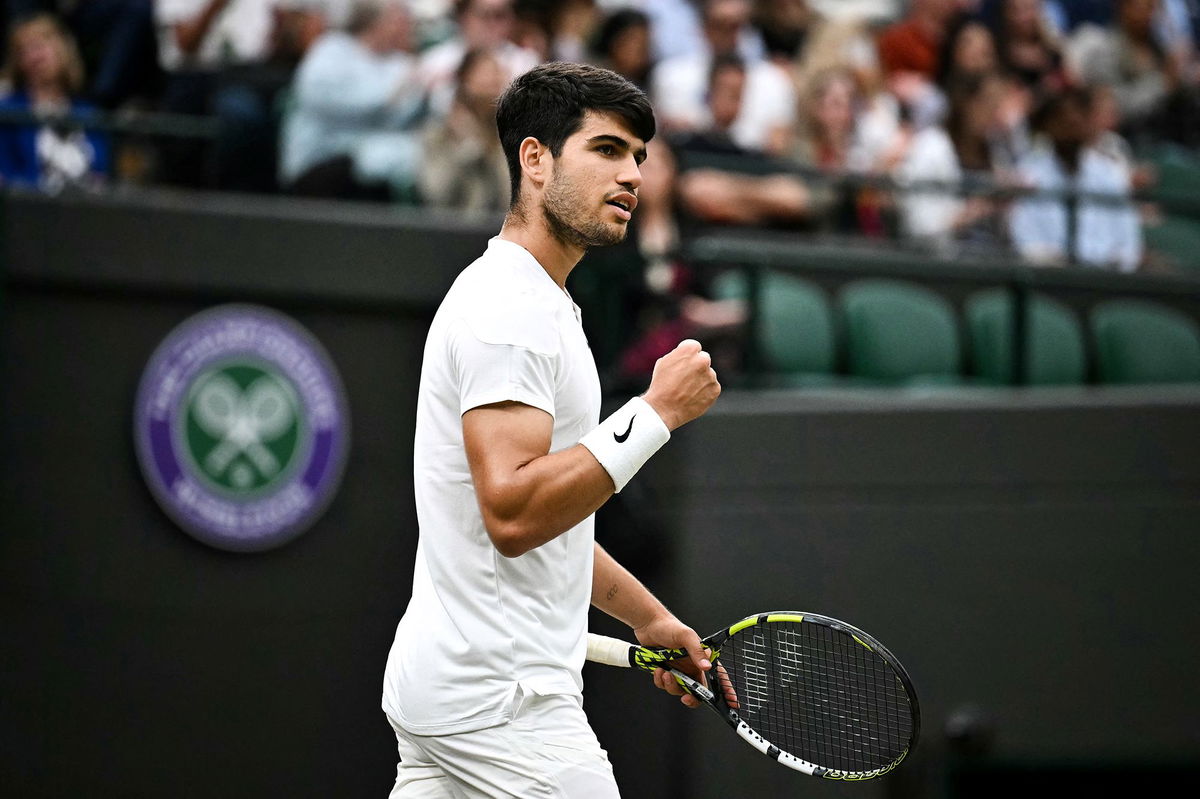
x=684, y=384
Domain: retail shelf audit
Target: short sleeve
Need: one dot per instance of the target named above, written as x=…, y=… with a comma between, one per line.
x=497, y=371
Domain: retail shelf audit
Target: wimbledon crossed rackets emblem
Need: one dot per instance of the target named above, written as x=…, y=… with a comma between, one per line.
x=242, y=437
x=241, y=427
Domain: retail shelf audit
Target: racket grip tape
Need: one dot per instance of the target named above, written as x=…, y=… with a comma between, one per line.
x=608, y=651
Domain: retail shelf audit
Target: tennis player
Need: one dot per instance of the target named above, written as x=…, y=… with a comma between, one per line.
x=483, y=684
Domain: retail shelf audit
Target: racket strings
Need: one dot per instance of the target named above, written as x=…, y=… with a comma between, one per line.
x=819, y=694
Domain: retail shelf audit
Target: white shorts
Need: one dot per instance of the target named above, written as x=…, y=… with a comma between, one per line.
x=547, y=751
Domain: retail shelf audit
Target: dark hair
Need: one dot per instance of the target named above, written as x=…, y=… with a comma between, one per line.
x=973, y=154
x=1051, y=105
x=723, y=62
x=549, y=102
x=947, y=70
x=615, y=26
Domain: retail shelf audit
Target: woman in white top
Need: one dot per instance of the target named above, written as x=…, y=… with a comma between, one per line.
x=976, y=144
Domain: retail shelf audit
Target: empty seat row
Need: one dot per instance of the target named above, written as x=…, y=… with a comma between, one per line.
x=890, y=331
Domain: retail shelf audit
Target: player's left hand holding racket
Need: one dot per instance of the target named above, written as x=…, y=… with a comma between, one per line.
x=811, y=692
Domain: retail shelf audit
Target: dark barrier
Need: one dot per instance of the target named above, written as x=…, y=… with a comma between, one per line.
x=1029, y=554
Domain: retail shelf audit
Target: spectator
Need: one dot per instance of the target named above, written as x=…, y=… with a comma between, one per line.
x=481, y=25
x=572, y=24
x=784, y=26
x=115, y=39
x=678, y=85
x=45, y=74
x=971, y=149
x=1155, y=91
x=726, y=88
x=829, y=141
x=202, y=36
x=217, y=56
x=622, y=44
x=912, y=44
x=715, y=194
x=908, y=54
x=967, y=50
x=1026, y=45
x=1054, y=231
x=463, y=165
x=351, y=130
x=833, y=45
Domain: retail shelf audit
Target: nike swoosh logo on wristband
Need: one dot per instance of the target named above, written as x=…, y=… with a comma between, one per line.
x=620, y=439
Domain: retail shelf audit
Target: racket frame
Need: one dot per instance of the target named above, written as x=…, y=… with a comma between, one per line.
x=603, y=650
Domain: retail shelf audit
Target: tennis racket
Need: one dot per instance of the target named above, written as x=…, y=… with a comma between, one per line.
x=810, y=692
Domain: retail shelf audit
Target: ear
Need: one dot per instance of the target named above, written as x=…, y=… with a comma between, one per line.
x=535, y=160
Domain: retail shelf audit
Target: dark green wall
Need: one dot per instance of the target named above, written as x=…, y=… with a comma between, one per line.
x=1032, y=554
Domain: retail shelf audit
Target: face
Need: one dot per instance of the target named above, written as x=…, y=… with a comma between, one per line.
x=1023, y=16
x=723, y=21
x=395, y=28
x=487, y=23
x=39, y=51
x=482, y=84
x=592, y=189
x=725, y=96
x=974, y=52
x=1071, y=124
x=784, y=13
x=833, y=107
x=630, y=51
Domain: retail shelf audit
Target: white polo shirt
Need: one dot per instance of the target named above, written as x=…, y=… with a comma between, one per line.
x=479, y=623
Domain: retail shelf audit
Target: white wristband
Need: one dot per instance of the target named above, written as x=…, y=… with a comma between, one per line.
x=625, y=441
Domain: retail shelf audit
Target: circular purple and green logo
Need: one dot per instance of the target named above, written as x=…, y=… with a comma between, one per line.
x=241, y=427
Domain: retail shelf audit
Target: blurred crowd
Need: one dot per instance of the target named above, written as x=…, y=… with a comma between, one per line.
x=930, y=121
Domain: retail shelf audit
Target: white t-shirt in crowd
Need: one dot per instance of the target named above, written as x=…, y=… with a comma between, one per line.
x=1108, y=235
x=478, y=623
x=240, y=33
x=679, y=89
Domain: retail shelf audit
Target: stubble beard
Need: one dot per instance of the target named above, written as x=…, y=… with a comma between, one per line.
x=570, y=223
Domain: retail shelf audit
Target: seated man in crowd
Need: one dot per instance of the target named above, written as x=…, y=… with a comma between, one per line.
x=351, y=130
x=1157, y=90
x=1090, y=231
x=712, y=192
x=219, y=59
x=768, y=106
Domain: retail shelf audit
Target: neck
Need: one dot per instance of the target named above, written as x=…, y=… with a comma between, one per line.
x=557, y=257
x=1069, y=155
x=46, y=92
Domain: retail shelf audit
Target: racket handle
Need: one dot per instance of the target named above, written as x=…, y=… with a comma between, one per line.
x=608, y=651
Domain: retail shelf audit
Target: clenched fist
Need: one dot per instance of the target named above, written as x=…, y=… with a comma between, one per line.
x=684, y=384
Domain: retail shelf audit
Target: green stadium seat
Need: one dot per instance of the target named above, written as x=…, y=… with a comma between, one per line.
x=1139, y=341
x=1055, y=352
x=1177, y=240
x=900, y=332
x=795, y=333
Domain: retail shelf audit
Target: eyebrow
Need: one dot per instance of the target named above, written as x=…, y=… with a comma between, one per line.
x=639, y=155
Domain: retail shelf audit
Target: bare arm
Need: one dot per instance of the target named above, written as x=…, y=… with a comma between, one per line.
x=619, y=594
x=190, y=33
x=527, y=495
